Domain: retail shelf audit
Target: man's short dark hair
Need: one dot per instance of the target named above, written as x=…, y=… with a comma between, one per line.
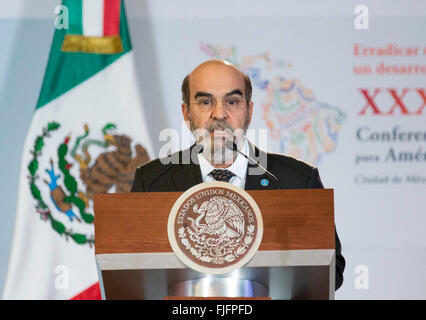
x=186, y=95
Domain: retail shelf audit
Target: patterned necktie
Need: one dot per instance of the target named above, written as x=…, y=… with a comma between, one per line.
x=222, y=175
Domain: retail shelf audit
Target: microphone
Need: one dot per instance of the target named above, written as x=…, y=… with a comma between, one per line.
x=231, y=145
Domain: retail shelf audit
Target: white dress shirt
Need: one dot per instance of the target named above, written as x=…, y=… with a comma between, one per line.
x=238, y=168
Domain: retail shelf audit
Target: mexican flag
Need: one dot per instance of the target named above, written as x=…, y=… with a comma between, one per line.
x=87, y=136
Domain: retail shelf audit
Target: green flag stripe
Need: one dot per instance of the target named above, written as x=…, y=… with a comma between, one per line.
x=65, y=70
x=75, y=11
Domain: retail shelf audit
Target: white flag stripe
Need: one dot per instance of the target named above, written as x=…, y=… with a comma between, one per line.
x=93, y=18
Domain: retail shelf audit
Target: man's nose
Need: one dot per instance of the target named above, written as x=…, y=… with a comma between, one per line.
x=219, y=111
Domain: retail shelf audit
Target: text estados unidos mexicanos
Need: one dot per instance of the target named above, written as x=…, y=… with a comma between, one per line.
x=219, y=192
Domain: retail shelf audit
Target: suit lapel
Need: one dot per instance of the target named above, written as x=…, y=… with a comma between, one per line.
x=188, y=175
x=262, y=181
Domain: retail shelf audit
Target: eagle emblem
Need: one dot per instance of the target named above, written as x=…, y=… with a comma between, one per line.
x=215, y=227
x=76, y=175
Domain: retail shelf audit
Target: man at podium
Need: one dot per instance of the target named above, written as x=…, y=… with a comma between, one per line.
x=218, y=108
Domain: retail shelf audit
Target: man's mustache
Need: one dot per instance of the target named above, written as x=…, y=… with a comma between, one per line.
x=219, y=125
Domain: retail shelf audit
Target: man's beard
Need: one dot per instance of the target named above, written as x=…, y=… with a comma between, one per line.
x=214, y=149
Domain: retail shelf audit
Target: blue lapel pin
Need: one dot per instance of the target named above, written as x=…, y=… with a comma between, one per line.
x=264, y=182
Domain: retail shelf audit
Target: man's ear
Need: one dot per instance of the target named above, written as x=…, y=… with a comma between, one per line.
x=185, y=112
x=250, y=111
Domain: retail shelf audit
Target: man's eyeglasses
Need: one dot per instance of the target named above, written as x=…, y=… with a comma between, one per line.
x=208, y=103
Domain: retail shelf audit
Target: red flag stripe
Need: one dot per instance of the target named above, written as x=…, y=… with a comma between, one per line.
x=111, y=17
x=91, y=293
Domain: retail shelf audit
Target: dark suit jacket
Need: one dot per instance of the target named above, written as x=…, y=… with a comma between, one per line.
x=155, y=176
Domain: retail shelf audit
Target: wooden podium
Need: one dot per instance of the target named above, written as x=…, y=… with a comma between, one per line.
x=295, y=260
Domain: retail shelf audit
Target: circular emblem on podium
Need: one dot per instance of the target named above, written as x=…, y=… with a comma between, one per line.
x=215, y=227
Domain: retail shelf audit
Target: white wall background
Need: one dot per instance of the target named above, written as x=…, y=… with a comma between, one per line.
x=380, y=226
